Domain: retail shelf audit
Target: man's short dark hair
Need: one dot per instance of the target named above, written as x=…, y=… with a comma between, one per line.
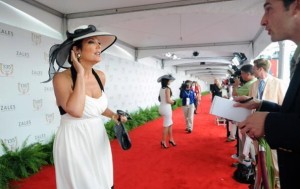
x=247, y=68
x=287, y=3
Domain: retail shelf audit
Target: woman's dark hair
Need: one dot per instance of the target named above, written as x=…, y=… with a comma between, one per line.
x=77, y=44
x=164, y=84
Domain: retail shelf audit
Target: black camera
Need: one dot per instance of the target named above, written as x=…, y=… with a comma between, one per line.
x=234, y=75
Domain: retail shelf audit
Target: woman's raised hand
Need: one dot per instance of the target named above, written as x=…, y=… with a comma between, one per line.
x=76, y=63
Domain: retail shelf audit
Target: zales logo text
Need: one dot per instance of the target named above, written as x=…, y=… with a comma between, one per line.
x=40, y=137
x=37, y=73
x=6, y=108
x=22, y=54
x=6, y=33
x=25, y=123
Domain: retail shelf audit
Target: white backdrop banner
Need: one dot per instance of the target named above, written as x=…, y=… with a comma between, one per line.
x=27, y=106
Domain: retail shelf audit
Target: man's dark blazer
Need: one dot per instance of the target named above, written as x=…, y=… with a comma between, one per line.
x=215, y=90
x=282, y=132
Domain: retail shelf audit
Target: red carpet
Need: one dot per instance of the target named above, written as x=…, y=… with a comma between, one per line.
x=200, y=160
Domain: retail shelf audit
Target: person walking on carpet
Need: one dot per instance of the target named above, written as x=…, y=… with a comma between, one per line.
x=197, y=92
x=165, y=109
x=188, y=97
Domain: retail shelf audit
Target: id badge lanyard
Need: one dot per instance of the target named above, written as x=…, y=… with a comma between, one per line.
x=188, y=98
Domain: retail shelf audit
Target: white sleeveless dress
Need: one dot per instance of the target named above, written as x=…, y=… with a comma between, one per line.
x=165, y=108
x=82, y=152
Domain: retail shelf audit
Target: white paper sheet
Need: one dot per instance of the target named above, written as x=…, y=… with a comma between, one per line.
x=224, y=108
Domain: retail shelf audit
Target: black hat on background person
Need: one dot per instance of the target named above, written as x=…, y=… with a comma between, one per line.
x=59, y=53
x=167, y=76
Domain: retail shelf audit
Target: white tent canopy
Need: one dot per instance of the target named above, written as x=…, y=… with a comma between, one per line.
x=215, y=29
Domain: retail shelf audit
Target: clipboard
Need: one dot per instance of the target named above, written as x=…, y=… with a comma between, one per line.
x=224, y=108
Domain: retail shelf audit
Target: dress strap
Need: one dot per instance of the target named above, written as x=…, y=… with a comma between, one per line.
x=98, y=79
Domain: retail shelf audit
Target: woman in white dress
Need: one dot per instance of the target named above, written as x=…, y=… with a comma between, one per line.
x=165, y=109
x=82, y=152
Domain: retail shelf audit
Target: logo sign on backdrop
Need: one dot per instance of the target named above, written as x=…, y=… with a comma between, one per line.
x=6, y=70
x=37, y=73
x=40, y=138
x=48, y=89
x=6, y=33
x=7, y=107
x=37, y=104
x=22, y=54
x=23, y=88
x=25, y=123
x=49, y=118
x=36, y=38
x=11, y=143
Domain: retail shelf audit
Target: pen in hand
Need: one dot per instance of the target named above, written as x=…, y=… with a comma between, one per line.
x=247, y=100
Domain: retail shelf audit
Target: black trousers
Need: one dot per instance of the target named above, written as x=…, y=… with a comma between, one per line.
x=237, y=142
x=227, y=128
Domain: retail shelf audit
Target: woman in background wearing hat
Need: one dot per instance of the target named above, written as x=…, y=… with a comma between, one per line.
x=82, y=152
x=165, y=109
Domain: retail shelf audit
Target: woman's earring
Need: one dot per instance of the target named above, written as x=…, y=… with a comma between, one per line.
x=78, y=56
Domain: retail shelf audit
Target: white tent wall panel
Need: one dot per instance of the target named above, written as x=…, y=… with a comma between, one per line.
x=120, y=50
x=39, y=21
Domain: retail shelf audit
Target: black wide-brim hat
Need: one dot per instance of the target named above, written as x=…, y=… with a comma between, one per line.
x=59, y=53
x=168, y=77
x=82, y=32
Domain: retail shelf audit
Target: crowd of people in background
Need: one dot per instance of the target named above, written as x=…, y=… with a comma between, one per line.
x=274, y=125
x=254, y=81
x=190, y=95
x=247, y=83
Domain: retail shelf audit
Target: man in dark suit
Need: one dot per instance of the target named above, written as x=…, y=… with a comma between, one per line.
x=216, y=89
x=280, y=125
